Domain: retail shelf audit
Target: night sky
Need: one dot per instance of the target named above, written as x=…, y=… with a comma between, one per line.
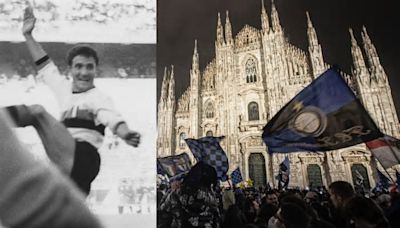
x=180, y=22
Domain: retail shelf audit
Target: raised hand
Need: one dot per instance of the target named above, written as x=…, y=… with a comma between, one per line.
x=132, y=138
x=29, y=21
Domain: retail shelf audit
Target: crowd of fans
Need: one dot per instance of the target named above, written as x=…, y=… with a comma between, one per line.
x=80, y=10
x=118, y=60
x=106, y=11
x=198, y=201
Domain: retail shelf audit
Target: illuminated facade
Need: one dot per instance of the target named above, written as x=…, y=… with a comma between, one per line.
x=251, y=77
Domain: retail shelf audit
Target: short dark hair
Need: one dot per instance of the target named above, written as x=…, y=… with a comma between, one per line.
x=342, y=189
x=84, y=50
x=294, y=216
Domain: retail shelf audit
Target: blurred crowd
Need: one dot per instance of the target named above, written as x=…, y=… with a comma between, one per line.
x=106, y=11
x=198, y=201
x=101, y=12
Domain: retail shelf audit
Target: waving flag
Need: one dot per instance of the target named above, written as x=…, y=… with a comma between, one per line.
x=208, y=150
x=173, y=165
x=398, y=180
x=236, y=176
x=326, y=115
x=386, y=149
x=383, y=181
x=284, y=173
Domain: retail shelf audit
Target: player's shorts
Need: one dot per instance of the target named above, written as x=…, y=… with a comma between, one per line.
x=86, y=165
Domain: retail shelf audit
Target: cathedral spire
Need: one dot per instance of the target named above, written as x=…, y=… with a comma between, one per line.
x=312, y=35
x=372, y=56
x=276, y=25
x=358, y=59
x=195, y=71
x=264, y=18
x=228, y=29
x=164, y=89
x=220, y=31
x=317, y=60
x=195, y=58
x=171, y=89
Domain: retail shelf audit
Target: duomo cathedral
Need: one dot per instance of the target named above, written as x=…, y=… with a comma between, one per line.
x=253, y=75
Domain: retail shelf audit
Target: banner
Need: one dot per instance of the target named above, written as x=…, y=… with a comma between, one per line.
x=173, y=165
x=386, y=149
x=324, y=116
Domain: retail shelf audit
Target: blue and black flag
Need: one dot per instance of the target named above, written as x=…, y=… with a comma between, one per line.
x=383, y=181
x=326, y=115
x=236, y=176
x=208, y=150
x=284, y=174
x=173, y=166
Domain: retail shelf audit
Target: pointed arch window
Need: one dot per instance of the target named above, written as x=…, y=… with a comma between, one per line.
x=182, y=138
x=209, y=110
x=251, y=71
x=253, y=111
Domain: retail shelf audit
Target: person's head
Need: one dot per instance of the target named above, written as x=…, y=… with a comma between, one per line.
x=82, y=61
x=384, y=201
x=175, y=184
x=340, y=192
x=311, y=197
x=365, y=213
x=293, y=216
x=234, y=217
x=267, y=211
x=201, y=175
x=271, y=198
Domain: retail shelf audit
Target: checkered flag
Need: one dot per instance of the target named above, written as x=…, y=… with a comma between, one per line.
x=236, y=176
x=207, y=149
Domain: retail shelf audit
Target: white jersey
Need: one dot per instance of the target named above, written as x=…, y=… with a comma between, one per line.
x=85, y=114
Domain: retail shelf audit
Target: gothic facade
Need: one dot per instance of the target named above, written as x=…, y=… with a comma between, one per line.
x=252, y=76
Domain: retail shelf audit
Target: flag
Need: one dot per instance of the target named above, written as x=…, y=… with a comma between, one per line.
x=398, y=180
x=160, y=169
x=286, y=163
x=249, y=183
x=383, y=181
x=359, y=183
x=236, y=176
x=174, y=165
x=386, y=149
x=284, y=172
x=359, y=178
x=208, y=150
x=326, y=115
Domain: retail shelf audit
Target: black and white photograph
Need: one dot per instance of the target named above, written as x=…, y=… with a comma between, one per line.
x=78, y=98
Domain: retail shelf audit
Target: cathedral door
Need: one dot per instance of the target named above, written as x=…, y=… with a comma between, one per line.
x=257, y=172
x=314, y=175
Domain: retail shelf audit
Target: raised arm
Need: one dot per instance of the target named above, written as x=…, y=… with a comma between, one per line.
x=46, y=68
x=33, y=194
x=36, y=50
x=131, y=137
